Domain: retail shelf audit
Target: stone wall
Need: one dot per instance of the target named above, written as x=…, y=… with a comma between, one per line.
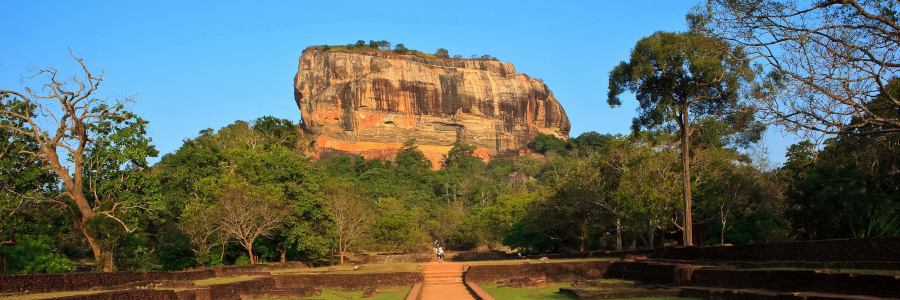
x=885, y=249
x=40, y=283
x=562, y=271
x=799, y=281
x=650, y=272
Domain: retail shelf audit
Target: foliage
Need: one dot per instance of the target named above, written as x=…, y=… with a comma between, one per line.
x=678, y=75
x=546, y=143
x=94, y=146
x=360, y=46
x=34, y=254
x=441, y=52
x=850, y=187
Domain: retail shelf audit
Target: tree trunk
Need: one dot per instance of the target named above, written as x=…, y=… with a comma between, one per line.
x=108, y=261
x=618, y=234
x=283, y=257
x=341, y=254
x=250, y=252
x=722, y=234
x=686, y=175
x=582, y=240
x=99, y=259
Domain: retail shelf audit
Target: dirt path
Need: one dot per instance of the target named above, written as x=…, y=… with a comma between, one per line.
x=444, y=281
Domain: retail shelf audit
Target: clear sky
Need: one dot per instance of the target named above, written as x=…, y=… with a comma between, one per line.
x=204, y=64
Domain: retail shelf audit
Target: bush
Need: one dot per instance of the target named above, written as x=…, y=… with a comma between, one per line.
x=36, y=254
x=242, y=260
x=401, y=48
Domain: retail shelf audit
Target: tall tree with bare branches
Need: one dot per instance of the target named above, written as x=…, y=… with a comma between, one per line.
x=351, y=214
x=826, y=60
x=249, y=212
x=96, y=148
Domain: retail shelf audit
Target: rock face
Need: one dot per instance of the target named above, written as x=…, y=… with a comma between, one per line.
x=370, y=103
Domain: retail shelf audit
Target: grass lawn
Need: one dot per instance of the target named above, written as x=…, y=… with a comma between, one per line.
x=548, y=291
x=533, y=261
x=348, y=269
x=221, y=280
x=382, y=294
x=414, y=267
x=394, y=293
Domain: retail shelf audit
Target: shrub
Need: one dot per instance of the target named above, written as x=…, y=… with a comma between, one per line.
x=36, y=254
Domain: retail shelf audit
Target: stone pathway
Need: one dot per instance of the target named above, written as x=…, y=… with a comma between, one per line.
x=444, y=281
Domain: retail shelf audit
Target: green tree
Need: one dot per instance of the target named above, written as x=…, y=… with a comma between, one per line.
x=351, y=215
x=249, y=212
x=441, y=52
x=850, y=187
x=675, y=75
x=395, y=226
x=401, y=48
x=462, y=156
x=547, y=143
x=66, y=149
x=411, y=160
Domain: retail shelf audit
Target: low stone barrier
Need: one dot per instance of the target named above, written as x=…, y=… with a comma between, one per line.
x=799, y=281
x=650, y=272
x=551, y=271
x=132, y=295
x=42, y=283
x=883, y=249
x=347, y=281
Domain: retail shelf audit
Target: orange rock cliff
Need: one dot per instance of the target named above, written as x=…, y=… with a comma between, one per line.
x=370, y=102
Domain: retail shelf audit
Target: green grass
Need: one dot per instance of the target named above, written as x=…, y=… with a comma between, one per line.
x=550, y=291
x=222, y=280
x=382, y=294
x=348, y=269
x=394, y=293
x=547, y=291
x=533, y=261
x=414, y=267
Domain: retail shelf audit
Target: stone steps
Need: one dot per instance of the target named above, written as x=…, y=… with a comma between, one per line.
x=444, y=281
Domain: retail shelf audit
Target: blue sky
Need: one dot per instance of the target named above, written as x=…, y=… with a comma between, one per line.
x=204, y=64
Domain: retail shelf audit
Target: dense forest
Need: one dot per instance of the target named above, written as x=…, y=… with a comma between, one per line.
x=590, y=192
x=77, y=189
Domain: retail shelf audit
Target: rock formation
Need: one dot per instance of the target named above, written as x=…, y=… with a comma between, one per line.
x=371, y=102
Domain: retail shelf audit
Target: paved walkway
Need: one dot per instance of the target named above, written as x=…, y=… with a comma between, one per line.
x=444, y=281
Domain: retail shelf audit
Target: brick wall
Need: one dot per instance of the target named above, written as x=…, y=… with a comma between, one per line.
x=129, y=294
x=37, y=283
x=80, y=281
x=799, y=281
x=649, y=272
x=551, y=271
x=885, y=249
